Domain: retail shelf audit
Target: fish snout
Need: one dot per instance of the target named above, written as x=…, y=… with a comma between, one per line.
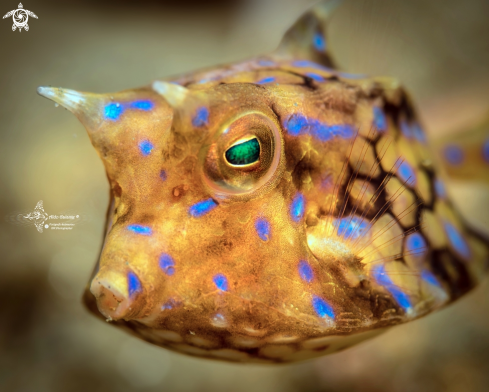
x=119, y=295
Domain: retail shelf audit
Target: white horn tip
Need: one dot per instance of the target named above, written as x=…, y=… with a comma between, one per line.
x=173, y=93
x=70, y=99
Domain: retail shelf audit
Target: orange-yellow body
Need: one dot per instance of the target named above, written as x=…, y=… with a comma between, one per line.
x=340, y=229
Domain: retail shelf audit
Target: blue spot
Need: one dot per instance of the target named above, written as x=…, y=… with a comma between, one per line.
x=169, y=304
x=380, y=122
x=163, y=175
x=270, y=79
x=383, y=279
x=322, y=308
x=428, y=277
x=419, y=134
x=297, y=124
x=145, y=146
x=325, y=132
x=142, y=105
x=453, y=154
x=140, y=229
x=201, y=118
x=314, y=76
x=266, y=63
x=221, y=282
x=262, y=227
x=305, y=271
x=167, y=264
x=457, y=241
x=440, y=189
x=416, y=244
x=319, y=42
x=113, y=111
x=297, y=207
x=133, y=283
x=202, y=207
x=406, y=130
x=351, y=227
x=310, y=64
x=485, y=150
x=406, y=173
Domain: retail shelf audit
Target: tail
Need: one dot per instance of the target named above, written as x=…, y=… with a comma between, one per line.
x=464, y=159
x=465, y=155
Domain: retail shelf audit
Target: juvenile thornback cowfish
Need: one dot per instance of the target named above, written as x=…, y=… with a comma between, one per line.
x=272, y=210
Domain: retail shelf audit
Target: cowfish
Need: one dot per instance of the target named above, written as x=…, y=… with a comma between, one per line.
x=271, y=210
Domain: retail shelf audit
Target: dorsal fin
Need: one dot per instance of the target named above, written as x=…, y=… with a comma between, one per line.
x=306, y=39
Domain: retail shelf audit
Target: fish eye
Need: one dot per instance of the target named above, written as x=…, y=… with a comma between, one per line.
x=244, y=156
x=243, y=152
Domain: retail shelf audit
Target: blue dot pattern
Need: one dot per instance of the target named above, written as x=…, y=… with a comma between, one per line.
x=140, y=229
x=440, y=189
x=142, y=105
x=406, y=173
x=297, y=207
x=221, y=282
x=384, y=280
x=457, y=241
x=416, y=245
x=146, y=147
x=269, y=79
x=133, y=284
x=163, y=175
x=428, y=277
x=485, y=150
x=305, y=271
x=318, y=42
x=316, y=77
x=297, y=124
x=453, y=154
x=351, y=227
x=201, y=118
x=202, y=207
x=262, y=227
x=322, y=308
x=380, y=121
x=113, y=111
x=167, y=264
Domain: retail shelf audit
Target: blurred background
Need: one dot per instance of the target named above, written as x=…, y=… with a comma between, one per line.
x=49, y=342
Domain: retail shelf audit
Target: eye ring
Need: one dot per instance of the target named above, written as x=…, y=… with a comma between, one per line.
x=245, y=153
x=240, y=182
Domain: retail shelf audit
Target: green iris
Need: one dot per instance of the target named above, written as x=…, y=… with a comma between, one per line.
x=244, y=153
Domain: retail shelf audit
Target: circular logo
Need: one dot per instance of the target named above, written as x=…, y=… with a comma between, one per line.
x=20, y=17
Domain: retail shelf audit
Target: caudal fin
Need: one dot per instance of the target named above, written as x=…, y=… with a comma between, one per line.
x=465, y=155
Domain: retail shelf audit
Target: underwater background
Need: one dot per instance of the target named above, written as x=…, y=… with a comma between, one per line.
x=49, y=342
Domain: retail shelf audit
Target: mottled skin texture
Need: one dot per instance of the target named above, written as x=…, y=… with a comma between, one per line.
x=340, y=230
